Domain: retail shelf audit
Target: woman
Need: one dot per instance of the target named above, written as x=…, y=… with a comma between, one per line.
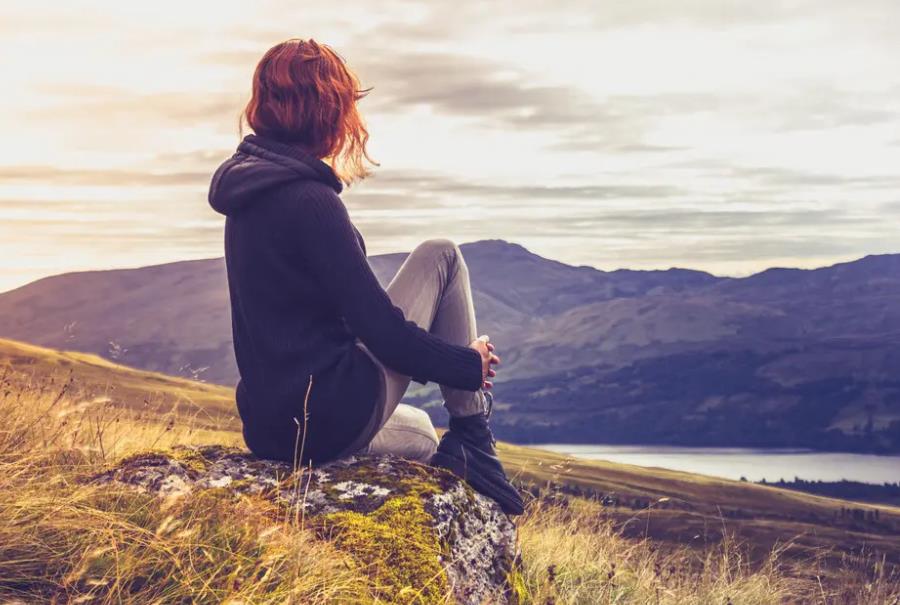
x=324, y=352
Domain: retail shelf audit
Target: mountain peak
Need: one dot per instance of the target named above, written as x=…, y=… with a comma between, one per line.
x=496, y=245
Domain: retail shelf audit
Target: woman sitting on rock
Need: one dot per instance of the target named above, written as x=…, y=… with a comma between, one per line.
x=324, y=352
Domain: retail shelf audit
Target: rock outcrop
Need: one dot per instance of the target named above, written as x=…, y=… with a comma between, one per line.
x=423, y=532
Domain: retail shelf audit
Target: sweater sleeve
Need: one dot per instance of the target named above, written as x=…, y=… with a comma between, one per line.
x=329, y=245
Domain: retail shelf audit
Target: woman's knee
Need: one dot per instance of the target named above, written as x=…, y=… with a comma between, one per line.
x=436, y=248
x=440, y=253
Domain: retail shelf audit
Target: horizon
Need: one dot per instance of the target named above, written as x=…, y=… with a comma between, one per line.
x=718, y=139
x=480, y=241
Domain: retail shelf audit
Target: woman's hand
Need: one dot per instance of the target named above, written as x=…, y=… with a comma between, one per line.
x=486, y=349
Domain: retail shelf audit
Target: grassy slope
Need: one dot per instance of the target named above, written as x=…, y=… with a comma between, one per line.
x=97, y=381
x=694, y=508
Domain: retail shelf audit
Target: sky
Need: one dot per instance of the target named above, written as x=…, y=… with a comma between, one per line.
x=718, y=135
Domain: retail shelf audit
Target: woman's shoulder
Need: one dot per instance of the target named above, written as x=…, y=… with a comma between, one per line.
x=310, y=194
x=309, y=201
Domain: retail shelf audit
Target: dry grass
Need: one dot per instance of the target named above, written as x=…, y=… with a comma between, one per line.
x=577, y=554
x=65, y=541
x=710, y=497
x=62, y=540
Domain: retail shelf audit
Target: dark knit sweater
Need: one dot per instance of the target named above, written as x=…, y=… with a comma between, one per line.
x=302, y=292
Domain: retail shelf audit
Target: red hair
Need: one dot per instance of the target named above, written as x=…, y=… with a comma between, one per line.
x=304, y=93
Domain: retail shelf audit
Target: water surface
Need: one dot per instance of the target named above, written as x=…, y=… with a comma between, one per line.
x=753, y=464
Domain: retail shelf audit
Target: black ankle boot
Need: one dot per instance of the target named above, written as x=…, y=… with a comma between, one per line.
x=467, y=450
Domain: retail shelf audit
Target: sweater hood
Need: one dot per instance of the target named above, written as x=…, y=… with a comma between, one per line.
x=259, y=165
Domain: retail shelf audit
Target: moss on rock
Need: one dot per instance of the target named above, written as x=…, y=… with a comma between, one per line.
x=397, y=546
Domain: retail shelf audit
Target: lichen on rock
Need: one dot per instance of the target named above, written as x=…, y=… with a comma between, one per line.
x=419, y=532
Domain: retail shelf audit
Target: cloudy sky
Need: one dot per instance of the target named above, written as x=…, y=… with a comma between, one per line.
x=721, y=135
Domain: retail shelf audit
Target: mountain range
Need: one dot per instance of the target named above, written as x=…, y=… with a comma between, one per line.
x=782, y=358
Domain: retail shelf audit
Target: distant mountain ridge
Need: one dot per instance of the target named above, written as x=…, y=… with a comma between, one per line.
x=785, y=357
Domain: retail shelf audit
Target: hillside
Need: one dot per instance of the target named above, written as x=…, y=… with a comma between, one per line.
x=787, y=357
x=94, y=384
x=138, y=407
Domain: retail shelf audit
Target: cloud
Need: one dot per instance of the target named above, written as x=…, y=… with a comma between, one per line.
x=447, y=186
x=709, y=14
x=54, y=175
x=504, y=97
x=785, y=177
x=782, y=180
x=109, y=109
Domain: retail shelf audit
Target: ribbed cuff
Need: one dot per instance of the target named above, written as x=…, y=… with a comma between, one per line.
x=472, y=370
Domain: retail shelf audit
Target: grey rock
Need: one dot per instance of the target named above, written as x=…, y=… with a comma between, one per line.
x=477, y=540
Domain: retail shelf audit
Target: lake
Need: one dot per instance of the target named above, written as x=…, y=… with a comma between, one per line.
x=754, y=464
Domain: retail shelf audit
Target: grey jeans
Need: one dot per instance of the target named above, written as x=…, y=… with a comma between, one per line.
x=432, y=288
